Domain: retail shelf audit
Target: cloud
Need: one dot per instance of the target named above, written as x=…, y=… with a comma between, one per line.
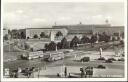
x=20, y=11
x=97, y=17
x=108, y=17
x=39, y=20
x=62, y=13
x=63, y=18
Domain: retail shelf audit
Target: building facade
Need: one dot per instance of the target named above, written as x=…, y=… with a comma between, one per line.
x=69, y=31
x=30, y=32
x=81, y=29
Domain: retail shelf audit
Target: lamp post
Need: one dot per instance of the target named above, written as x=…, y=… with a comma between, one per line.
x=100, y=52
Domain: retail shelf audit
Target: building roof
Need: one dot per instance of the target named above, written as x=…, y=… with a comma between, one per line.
x=117, y=26
x=44, y=28
x=81, y=28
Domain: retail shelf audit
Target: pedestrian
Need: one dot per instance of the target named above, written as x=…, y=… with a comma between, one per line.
x=31, y=71
x=19, y=70
x=65, y=72
x=27, y=72
x=58, y=75
x=82, y=72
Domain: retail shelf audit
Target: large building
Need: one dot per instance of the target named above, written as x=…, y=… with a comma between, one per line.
x=82, y=29
x=69, y=31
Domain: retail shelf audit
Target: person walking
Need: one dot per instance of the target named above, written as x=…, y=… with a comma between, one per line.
x=65, y=72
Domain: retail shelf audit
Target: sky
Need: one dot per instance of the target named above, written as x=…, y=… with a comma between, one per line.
x=45, y=14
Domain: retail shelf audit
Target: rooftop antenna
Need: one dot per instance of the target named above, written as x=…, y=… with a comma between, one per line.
x=106, y=21
x=55, y=23
x=80, y=23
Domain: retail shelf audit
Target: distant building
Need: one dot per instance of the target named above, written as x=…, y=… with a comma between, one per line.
x=109, y=30
x=69, y=31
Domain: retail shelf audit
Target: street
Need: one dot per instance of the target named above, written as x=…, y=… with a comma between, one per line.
x=70, y=61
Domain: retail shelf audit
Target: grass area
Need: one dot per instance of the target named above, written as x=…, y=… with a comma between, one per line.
x=103, y=45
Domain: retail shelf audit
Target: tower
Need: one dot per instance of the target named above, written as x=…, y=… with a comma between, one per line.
x=55, y=23
x=52, y=36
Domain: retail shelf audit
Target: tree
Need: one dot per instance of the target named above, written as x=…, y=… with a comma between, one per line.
x=5, y=37
x=113, y=38
x=104, y=37
x=74, y=42
x=64, y=43
x=52, y=46
x=23, y=36
x=42, y=35
x=35, y=36
x=93, y=39
x=59, y=46
x=107, y=38
x=84, y=39
x=122, y=35
x=15, y=34
x=46, y=47
x=26, y=46
x=59, y=33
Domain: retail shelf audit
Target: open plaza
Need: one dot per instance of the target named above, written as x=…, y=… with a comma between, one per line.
x=44, y=69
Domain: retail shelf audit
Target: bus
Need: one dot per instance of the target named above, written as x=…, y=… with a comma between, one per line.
x=32, y=55
x=53, y=56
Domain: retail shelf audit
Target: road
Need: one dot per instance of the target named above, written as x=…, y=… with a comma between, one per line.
x=70, y=61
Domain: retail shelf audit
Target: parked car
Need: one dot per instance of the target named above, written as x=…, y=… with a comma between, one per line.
x=121, y=59
x=112, y=59
x=85, y=59
x=101, y=58
x=108, y=61
x=101, y=67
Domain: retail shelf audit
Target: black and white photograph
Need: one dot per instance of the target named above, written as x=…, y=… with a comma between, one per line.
x=63, y=40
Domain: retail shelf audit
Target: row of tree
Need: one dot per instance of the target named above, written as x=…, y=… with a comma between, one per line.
x=64, y=44
x=17, y=34
x=43, y=35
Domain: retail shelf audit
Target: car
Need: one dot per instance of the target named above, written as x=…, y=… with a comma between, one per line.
x=112, y=59
x=101, y=67
x=101, y=58
x=85, y=59
x=108, y=61
x=121, y=59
